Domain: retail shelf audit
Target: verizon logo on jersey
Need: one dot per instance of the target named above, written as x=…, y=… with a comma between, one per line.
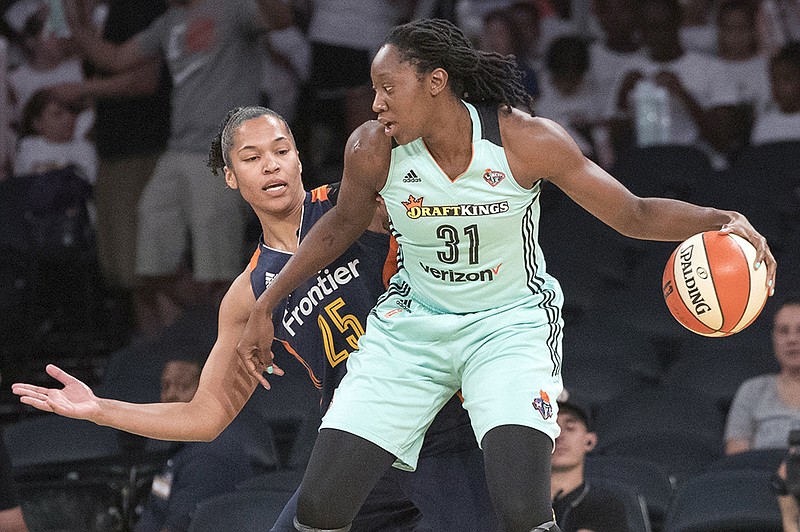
x=327, y=283
x=451, y=276
x=411, y=177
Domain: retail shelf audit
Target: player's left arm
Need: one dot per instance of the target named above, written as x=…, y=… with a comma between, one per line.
x=538, y=148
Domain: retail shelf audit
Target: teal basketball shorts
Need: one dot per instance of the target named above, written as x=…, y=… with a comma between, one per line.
x=412, y=359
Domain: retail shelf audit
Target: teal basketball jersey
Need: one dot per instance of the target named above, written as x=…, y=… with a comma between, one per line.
x=468, y=244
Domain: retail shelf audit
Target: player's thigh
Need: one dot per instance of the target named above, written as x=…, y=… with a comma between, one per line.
x=396, y=382
x=512, y=368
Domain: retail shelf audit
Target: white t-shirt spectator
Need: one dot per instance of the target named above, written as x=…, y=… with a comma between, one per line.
x=568, y=110
x=604, y=67
x=692, y=69
x=36, y=154
x=742, y=82
x=774, y=126
x=25, y=81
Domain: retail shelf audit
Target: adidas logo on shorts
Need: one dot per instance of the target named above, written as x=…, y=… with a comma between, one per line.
x=411, y=177
x=403, y=303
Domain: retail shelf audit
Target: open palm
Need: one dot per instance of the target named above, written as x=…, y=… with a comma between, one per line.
x=75, y=399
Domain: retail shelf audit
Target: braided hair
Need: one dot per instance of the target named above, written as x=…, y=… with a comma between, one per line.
x=476, y=76
x=218, y=154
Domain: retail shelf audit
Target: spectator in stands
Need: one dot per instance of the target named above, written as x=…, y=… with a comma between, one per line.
x=49, y=58
x=11, y=517
x=744, y=67
x=698, y=32
x=741, y=79
x=198, y=470
x=580, y=505
x=569, y=94
x=620, y=41
x=781, y=120
x=48, y=141
x=130, y=133
x=766, y=408
x=677, y=79
x=503, y=35
x=527, y=22
x=344, y=36
x=210, y=50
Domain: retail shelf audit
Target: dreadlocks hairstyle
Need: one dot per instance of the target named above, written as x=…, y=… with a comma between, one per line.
x=221, y=145
x=474, y=75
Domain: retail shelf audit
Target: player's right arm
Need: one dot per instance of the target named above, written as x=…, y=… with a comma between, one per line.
x=225, y=386
x=366, y=166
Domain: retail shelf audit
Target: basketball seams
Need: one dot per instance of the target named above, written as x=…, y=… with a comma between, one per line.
x=679, y=308
x=727, y=251
x=714, y=302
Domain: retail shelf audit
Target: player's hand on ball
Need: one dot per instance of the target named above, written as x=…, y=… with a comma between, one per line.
x=75, y=399
x=741, y=226
x=255, y=346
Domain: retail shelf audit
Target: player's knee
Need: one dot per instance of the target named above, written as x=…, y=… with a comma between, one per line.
x=304, y=528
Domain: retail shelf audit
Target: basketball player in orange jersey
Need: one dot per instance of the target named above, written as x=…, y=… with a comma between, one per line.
x=458, y=159
x=318, y=324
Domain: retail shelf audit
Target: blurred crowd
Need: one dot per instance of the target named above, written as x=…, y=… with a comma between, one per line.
x=107, y=109
x=125, y=95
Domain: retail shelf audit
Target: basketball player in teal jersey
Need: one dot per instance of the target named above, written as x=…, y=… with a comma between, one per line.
x=459, y=167
x=256, y=149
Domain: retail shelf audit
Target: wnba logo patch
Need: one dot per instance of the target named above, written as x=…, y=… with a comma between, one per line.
x=493, y=177
x=542, y=404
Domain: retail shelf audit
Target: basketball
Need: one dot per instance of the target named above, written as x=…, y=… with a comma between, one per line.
x=710, y=285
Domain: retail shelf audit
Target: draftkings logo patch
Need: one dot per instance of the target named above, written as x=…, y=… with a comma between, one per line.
x=415, y=209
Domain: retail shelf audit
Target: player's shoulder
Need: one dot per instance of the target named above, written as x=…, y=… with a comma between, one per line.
x=526, y=136
x=517, y=125
x=370, y=138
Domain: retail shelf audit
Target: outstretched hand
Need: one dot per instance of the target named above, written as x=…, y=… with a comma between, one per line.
x=764, y=258
x=75, y=399
x=255, y=346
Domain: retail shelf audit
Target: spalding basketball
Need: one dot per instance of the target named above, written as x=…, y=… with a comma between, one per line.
x=710, y=285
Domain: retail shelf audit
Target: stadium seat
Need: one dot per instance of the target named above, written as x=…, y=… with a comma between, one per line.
x=765, y=187
x=243, y=511
x=663, y=171
x=756, y=459
x=731, y=501
x=681, y=454
x=603, y=358
x=647, y=478
x=658, y=408
x=717, y=366
x=635, y=505
x=49, y=443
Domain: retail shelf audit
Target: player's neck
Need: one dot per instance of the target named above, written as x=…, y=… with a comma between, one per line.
x=450, y=141
x=565, y=480
x=283, y=232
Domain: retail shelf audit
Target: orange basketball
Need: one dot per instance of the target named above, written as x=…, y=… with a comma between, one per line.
x=710, y=285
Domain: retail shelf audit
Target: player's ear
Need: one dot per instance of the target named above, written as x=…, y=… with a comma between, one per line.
x=230, y=178
x=591, y=441
x=438, y=80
